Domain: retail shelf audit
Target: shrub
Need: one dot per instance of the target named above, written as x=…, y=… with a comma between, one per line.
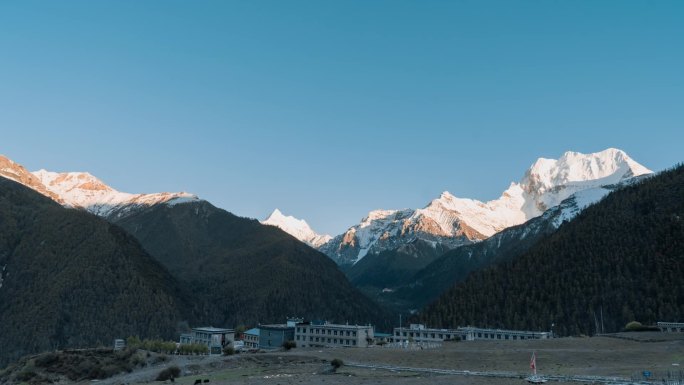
x=25, y=375
x=633, y=326
x=168, y=373
x=289, y=345
x=46, y=360
x=228, y=351
x=337, y=363
x=160, y=358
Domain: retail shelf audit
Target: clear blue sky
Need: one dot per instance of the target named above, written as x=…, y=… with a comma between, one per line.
x=329, y=109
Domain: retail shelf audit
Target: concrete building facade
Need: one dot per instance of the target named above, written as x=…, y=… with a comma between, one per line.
x=671, y=327
x=419, y=333
x=273, y=336
x=333, y=335
x=214, y=338
x=252, y=338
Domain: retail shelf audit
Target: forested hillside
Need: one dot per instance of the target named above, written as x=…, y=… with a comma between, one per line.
x=247, y=271
x=623, y=256
x=70, y=279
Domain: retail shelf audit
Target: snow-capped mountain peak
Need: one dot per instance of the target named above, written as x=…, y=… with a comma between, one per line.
x=452, y=221
x=16, y=172
x=298, y=228
x=83, y=190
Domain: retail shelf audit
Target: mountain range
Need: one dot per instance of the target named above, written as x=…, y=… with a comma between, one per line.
x=405, y=258
x=74, y=250
x=209, y=266
x=619, y=260
x=449, y=221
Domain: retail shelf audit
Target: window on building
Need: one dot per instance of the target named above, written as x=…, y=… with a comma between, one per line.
x=310, y=339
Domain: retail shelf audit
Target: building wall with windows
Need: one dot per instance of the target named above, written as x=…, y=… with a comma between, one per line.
x=252, y=338
x=215, y=338
x=273, y=336
x=671, y=327
x=333, y=335
x=419, y=333
x=471, y=333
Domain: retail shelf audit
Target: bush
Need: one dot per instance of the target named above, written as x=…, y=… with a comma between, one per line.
x=636, y=326
x=228, y=350
x=337, y=363
x=46, y=360
x=289, y=345
x=160, y=358
x=25, y=375
x=168, y=373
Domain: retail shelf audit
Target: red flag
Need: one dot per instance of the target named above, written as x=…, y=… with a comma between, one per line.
x=533, y=361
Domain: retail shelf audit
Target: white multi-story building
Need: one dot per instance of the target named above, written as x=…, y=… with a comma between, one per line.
x=215, y=338
x=333, y=335
x=419, y=333
x=672, y=327
x=472, y=333
x=251, y=338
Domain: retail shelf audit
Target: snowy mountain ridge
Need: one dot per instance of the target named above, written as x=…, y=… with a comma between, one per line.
x=298, y=228
x=452, y=221
x=83, y=190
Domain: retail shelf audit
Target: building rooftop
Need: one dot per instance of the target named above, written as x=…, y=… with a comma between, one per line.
x=253, y=331
x=276, y=327
x=211, y=329
x=342, y=326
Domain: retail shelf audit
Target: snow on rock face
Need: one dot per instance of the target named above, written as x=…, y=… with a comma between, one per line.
x=298, y=228
x=82, y=190
x=19, y=174
x=454, y=221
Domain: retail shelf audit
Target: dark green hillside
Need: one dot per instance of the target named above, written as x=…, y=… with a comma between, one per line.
x=391, y=269
x=248, y=272
x=70, y=279
x=455, y=265
x=624, y=255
